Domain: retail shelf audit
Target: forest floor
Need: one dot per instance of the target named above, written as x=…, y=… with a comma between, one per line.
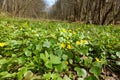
x=58, y=50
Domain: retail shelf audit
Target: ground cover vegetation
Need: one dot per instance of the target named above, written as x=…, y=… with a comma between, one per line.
x=51, y=50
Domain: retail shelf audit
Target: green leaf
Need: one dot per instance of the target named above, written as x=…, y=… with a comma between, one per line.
x=91, y=78
x=43, y=57
x=64, y=57
x=47, y=76
x=0, y=56
x=47, y=44
x=38, y=47
x=113, y=56
x=5, y=74
x=35, y=77
x=118, y=54
x=55, y=59
x=118, y=63
x=58, y=52
x=70, y=61
x=98, y=64
x=95, y=70
x=59, y=68
x=88, y=61
x=3, y=61
x=54, y=76
x=27, y=52
x=84, y=50
x=59, y=78
x=80, y=79
x=66, y=78
x=46, y=54
x=21, y=73
x=28, y=75
x=21, y=60
x=8, y=75
x=25, y=24
x=48, y=64
x=80, y=72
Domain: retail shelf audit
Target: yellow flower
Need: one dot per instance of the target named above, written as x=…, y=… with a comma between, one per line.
x=78, y=42
x=84, y=41
x=63, y=45
x=74, y=33
x=2, y=44
x=64, y=30
x=69, y=46
x=70, y=30
x=97, y=59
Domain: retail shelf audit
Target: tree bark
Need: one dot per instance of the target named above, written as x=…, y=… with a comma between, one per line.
x=88, y=11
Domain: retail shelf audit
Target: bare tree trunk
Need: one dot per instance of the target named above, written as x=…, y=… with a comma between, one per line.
x=89, y=11
x=4, y=5
x=22, y=8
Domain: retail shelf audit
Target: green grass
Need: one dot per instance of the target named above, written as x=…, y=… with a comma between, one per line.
x=45, y=50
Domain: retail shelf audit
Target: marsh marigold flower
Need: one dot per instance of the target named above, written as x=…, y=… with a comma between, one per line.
x=2, y=44
x=78, y=42
x=74, y=33
x=84, y=41
x=97, y=59
x=64, y=30
x=63, y=45
x=70, y=30
x=69, y=46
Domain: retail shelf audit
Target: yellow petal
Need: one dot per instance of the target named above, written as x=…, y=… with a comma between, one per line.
x=97, y=59
x=2, y=44
x=69, y=46
x=63, y=45
x=78, y=42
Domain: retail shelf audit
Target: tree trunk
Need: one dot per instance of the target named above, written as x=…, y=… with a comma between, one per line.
x=88, y=11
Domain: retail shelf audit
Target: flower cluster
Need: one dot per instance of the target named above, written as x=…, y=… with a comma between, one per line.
x=2, y=44
x=81, y=42
x=70, y=36
x=68, y=46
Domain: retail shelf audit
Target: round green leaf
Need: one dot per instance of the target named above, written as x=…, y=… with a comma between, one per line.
x=80, y=72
